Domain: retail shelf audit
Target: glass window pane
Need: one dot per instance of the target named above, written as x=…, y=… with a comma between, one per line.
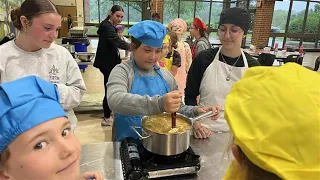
x=297, y=16
x=203, y=11
x=215, y=14
x=213, y=36
x=105, y=7
x=170, y=11
x=187, y=10
x=313, y=17
x=309, y=42
x=92, y=30
x=280, y=15
x=292, y=43
x=278, y=40
x=135, y=12
x=94, y=12
x=253, y=4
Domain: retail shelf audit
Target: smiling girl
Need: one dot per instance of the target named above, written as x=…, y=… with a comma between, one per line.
x=34, y=53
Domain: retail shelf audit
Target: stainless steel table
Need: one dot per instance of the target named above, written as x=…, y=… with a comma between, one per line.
x=215, y=157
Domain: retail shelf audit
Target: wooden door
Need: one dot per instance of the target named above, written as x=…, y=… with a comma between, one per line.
x=64, y=11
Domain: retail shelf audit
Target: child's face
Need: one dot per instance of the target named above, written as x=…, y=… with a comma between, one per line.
x=146, y=56
x=165, y=49
x=120, y=33
x=48, y=151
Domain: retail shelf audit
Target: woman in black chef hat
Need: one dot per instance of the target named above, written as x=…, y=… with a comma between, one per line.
x=213, y=71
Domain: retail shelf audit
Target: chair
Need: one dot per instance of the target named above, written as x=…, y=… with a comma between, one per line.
x=317, y=64
x=294, y=58
x=266, y=59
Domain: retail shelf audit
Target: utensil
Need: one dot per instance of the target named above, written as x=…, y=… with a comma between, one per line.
x=171, y=143
x=173, y=119
x=85, y=56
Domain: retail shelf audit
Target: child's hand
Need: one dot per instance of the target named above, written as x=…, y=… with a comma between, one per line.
x=93, y=176
x=172, y=101
x=200, y=132
x=213, y=109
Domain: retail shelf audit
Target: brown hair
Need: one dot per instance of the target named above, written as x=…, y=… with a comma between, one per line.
x=31, y=9
x=114, y=9
x=135, y=43
x=254, y=172
x=173, y=39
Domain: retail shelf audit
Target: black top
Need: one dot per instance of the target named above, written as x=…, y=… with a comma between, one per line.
x=176, y=60
x=107, y=56
x=199, y=66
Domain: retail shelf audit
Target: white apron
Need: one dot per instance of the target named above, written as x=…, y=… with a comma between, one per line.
x=214, y=89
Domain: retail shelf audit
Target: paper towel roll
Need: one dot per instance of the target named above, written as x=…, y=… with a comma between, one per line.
x=122, y=53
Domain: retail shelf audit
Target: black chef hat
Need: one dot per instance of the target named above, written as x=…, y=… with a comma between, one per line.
x=237, y=16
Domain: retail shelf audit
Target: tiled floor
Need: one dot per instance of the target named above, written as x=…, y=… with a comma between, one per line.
x=89, y=129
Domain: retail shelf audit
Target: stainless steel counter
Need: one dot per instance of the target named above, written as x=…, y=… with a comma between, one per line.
x=215, y=159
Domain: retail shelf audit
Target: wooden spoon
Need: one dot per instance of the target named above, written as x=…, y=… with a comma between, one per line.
x=173, y=119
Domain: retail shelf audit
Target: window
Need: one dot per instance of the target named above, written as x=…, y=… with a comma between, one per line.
x=296, y=23
x=208, y=10
x=96, y=11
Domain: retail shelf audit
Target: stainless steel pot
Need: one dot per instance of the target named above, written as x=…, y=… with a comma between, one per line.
x=168, y=144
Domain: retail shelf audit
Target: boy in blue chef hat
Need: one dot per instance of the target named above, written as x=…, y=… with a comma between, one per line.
x=36, y=141
x=139, y=87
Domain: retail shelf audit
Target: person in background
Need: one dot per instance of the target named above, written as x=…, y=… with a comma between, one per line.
x=120, y=29
x=69, y=21
x=213, y=71
x=198, y=31
x=156, y=17
x=34, y=53
x=36, y=140
x=171, y=58
x=179, y=27
x=274, y=137
x=139, y=87
x=107, y=55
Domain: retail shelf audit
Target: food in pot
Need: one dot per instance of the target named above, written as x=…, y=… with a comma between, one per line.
x=162, y=124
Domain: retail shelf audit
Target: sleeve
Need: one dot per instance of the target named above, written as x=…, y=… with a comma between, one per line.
x=72, y=91
x=189, y=56
x=121, y=101
x=201, y=45
x=195, y=74
x=111, y=36
x=176, y=59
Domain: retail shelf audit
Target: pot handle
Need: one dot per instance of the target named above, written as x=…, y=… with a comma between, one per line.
x=205, y=115
x=140, y=136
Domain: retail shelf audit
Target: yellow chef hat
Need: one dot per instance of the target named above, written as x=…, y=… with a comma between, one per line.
x=274, y=115
x=166, y=39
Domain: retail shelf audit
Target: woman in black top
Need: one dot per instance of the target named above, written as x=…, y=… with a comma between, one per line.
x=213, y=71
x=107, y=56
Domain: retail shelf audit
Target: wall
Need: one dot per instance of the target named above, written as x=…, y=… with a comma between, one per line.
x=77, y=3
x=157, y=6
x=80, y=13
x=64, y=2
x=262, y=24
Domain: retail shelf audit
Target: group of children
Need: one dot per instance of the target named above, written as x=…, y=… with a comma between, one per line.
x=274, y=138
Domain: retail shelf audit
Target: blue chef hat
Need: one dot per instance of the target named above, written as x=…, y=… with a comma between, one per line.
x=24, y=104
x=149, y=32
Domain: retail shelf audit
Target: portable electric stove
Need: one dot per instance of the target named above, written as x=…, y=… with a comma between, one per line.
x=140, y=164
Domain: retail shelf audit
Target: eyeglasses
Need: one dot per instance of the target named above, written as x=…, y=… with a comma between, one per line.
x=232, y=31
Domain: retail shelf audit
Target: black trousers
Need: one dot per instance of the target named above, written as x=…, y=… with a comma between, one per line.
x=106, y=109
